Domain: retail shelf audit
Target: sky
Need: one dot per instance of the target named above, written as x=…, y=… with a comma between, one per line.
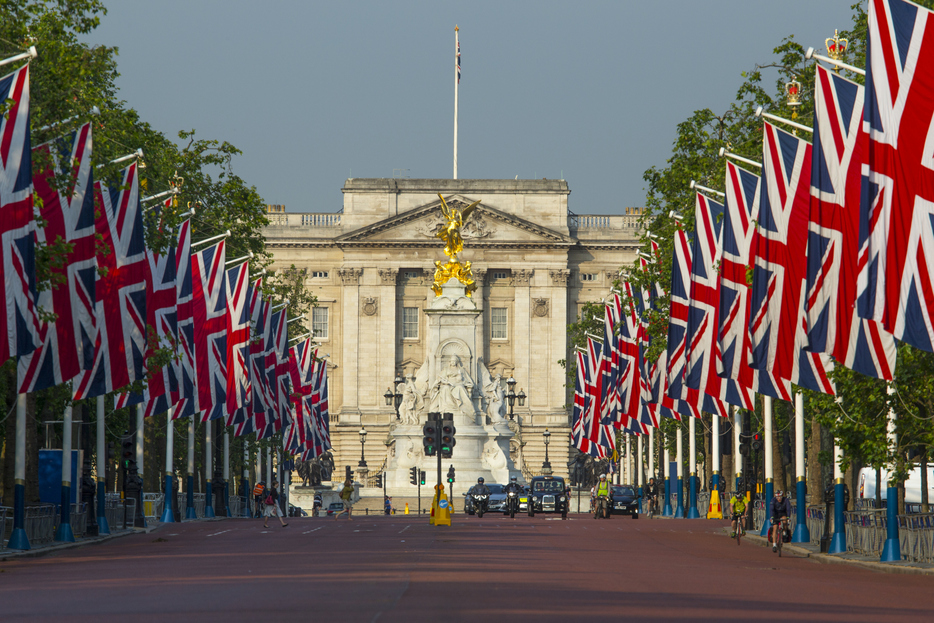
x=316, y=92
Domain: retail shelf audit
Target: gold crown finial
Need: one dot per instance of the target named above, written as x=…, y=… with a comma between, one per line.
x=836, y=47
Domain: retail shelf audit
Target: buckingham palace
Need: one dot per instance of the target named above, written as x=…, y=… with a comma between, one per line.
x=371, y=266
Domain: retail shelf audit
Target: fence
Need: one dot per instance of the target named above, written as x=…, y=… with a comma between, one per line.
x=40, y=523
x=153, y=504
x=199, y=504
x=916, y=537
x=6, y=525
x=79, y=519
x=119, y=513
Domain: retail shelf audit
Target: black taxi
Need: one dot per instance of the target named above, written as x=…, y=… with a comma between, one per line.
x=548, y=494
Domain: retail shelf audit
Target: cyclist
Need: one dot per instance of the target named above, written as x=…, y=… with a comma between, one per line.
x=602, y=491
x=650, y=494
x=781, y=510
x=738, y=512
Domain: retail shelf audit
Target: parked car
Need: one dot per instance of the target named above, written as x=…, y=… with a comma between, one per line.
x=548, y=494
x=335, y=508
x=497, y=497
x=623, y=500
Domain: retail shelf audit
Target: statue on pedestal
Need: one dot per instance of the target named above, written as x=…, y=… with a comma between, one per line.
x=452, y=390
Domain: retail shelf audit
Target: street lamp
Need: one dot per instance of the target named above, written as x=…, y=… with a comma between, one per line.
x=511, y=395
x=394, y=398
x=546, y=466
x=362, y=462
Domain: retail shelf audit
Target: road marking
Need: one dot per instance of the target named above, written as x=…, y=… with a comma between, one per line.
x=221, y=532
x=307, y=531
x=405, y=528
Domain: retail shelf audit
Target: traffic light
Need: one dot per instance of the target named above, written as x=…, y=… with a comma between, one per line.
x=421, y=476
x=379, y=481
x=128, y=451
x=447, y=435
x=451, y=474
x=743, y=447
x=413, y=475
x=756, y=442
x=430, y=436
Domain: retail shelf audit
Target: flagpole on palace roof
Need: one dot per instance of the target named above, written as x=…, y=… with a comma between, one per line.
x=457, y=79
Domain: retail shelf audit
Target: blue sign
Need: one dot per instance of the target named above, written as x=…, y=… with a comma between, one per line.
x=443, y=504
x=50, y=476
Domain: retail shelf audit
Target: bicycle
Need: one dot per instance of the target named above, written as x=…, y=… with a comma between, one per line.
x=740, y=528
x=650, y=507
x=778, y=532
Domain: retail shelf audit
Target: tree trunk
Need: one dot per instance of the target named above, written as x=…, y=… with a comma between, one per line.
x=815, y=481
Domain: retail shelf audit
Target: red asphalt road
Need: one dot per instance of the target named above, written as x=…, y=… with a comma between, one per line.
x=401, y=569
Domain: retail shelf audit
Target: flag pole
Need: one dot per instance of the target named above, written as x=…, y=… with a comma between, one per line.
x=457, y=79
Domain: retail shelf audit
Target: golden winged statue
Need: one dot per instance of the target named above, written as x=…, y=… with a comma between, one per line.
x=453, y=244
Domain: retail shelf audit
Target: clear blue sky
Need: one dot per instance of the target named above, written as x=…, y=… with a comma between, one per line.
x=313, y=92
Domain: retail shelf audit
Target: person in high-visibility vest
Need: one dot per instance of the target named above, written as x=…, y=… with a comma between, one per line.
x=602, y=496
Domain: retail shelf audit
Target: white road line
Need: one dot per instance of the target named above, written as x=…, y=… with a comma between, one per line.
x=405, y=528
x=221, y=532
x=307, y=531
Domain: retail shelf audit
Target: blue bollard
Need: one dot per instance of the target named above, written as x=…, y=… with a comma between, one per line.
x=64, y=533
x=892, y=550
x=666, y=508
x=801, y=533
x=838, y=542
x=103, y=527
x=190, y=499
x=167, y=515
x=679, y=511
x=769, y=494
x=18, y=538
x=692, y=498
x=208, y=502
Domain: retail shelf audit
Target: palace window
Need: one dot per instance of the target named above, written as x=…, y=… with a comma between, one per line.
x=588, y=276
x=319, y=274
x=498, y=322
x=500, y=274
x=319, y=322
x=410, y=274
x=410, y=323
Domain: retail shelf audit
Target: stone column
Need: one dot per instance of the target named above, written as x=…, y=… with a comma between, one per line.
x=350, y=331
x=388, y=336
x=557, y=392
x=479, y=277
x=522, y=335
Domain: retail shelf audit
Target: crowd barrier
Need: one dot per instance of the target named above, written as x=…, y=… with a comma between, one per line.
x=119, y=512
x=40, y=523
x=916, y=537
x=79, y=519
x=6, y=525
x=153, y=504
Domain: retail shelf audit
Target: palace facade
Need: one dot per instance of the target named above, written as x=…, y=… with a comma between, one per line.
x=371, y=267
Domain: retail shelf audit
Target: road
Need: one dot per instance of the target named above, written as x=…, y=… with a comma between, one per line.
x=399, y=568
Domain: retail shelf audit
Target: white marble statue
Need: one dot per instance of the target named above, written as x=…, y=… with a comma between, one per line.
x=494, y=394
x=412, y=403
x=452, y=390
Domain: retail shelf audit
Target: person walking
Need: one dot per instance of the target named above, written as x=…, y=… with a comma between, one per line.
x=272, y=505
x=347, y=499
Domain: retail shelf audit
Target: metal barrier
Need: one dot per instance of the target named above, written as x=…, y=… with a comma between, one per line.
x=40, y=523
x=153, y=504
x=199, y=504
x=6, y=525
x=865, y=531
x=79, y=519
x=120, y=513
x=916, y=537
x=236, y=503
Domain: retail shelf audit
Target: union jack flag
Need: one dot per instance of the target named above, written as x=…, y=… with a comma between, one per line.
x=270, y=332
x=301, y=372
x=319, y=440
x=898, y=196
x=700, y=370
x=833, y=234
x=598, y=432
x=261, y=403
x=187, y=383
x=238, y=342
x=254, y=296
x=209, y=306
x=120, y=291
x=777, y=322
x=741, y=211
x=457, y=62
x=284, y=384
x=20, y=326
x=162, y=391
x=67, y=345
x=582, y=406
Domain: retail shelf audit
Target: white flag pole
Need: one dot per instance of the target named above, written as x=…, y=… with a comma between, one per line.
x=457, y=61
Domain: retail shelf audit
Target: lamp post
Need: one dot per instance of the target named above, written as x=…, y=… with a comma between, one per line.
x=394, y=398
x=362, y=463
x=511, y=395
x=546, y=466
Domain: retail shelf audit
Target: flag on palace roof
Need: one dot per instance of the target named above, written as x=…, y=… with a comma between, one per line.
x=20, y=326
x=834, y=237
x=65, y=188
x=898, y=196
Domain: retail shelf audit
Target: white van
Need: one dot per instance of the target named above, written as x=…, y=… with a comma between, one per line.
x=867, y=484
